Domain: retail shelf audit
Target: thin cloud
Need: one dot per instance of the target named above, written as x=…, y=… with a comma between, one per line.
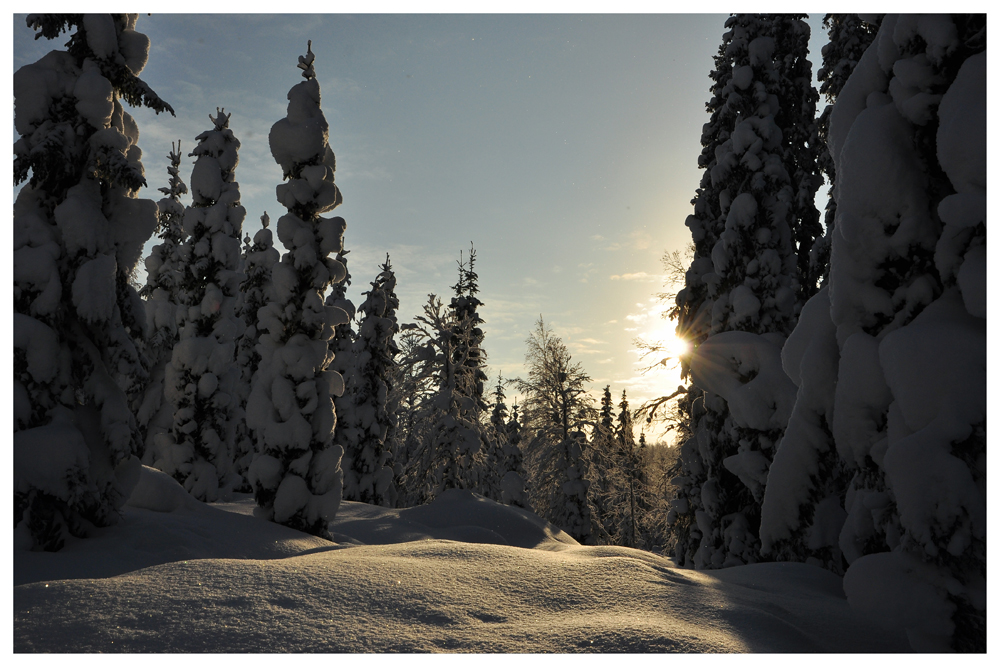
x=640, y=239
x=641, y=276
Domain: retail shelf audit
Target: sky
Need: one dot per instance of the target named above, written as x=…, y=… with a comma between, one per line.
x=563, y=146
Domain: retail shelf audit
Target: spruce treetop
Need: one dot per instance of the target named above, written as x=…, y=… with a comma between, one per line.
x=177, y=186
x=306, y=63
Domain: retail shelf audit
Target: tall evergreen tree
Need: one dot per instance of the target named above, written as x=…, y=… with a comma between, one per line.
x=257, y=258
x=801, y=522
x=492, y=458
x=296, y=474
x=514, y=481
x=768, y=181
x=455, y=442
x=627, y=467
x=602, y=464
x=468, y=333
x=750, y=269
x=78, y=235
x=367, y=422
x=163, y=274
x=630, y=495
x=452, y=432
x=201, y=379
x=908, y=303
x=164, y=270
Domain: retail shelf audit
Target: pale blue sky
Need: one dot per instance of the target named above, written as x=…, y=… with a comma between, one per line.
x=564, y=146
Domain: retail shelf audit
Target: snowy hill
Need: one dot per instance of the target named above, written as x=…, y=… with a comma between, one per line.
x=460, y=574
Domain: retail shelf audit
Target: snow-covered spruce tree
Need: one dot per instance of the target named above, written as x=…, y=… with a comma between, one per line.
x=694, y=307
x=78, y=234
x=626, y=479
x=470, y=357
x=470, y=361
x=601, y=466
x=803, y=513
x=492, y=458
x=557, y=409
x=514, y=481
x=764, y=177
x=630, y=497
x=908, y=303
x=201, y=379
x=296, y=473
x=163, y=274
x=849, y=36
x=257, y=259
x=452, y=432
x=366, y=423
x=648, y=531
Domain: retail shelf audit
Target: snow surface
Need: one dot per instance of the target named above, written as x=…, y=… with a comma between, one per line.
x=460, y=574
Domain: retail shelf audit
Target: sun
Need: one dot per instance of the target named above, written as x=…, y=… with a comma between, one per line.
x=676, y=346
x=669, y=346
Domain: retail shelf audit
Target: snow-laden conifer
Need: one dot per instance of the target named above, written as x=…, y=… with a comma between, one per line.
x=296, y=473
x=754, y=277
x=470, y=360
x=257, y=258
x=454, y=446
x=164, y=269
x=468, y=333
x=908, y=305
x=492, y=458
x=603, y=445
x=78, y=235
x=451, y=431
x=627, y=483
x=693, y=311
x=367, y=424
x=202, y=377
x=514, y=482
x=849, y=36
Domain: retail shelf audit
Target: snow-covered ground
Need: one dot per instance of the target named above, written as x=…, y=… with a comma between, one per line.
x=460, y=574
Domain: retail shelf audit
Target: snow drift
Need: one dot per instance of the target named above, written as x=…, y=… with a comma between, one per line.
x=460, y=574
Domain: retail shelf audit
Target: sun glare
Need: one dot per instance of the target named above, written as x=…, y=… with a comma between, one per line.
x=671, y=347
x=676, y=346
